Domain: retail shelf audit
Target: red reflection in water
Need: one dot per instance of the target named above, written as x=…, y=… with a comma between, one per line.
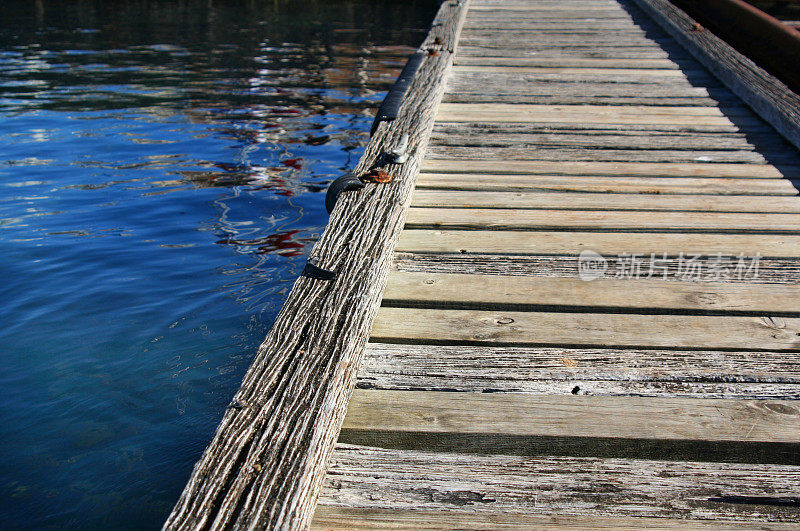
x=292, y=163
x=281, y=243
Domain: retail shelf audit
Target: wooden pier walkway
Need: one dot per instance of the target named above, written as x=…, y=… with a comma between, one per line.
x=591, y=312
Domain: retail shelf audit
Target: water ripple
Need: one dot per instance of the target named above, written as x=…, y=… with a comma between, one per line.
x=162, y=170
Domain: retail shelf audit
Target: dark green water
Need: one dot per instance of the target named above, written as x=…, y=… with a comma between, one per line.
x=162, y=174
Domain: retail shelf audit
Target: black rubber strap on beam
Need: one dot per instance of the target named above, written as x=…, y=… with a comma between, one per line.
x=312, y=270
x=348, y=181
x=391, y=103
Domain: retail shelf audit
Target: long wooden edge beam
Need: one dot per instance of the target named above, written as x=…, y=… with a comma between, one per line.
x=265, y=466
x=769, y=97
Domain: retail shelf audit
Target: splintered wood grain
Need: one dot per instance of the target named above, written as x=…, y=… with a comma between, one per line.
x=531, y=73
x=362, y=519
x=506, y=135
x=468, y=290
x=265, y=465
x=500, y=327
x=583, y=93
x=574, y=62
x=653, y=186
x=598, y=154
x=547, y=26
x=496, y=39
x=575, y=50
x=604, y=243
x=527, y=415
x=567, y=486
x=632, y=169
x=600, y=201
x=655, y=266
x=582, y=371
x=598, y=114
x=595, y=81
x=516, y=219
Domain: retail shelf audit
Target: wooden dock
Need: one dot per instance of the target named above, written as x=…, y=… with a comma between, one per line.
x=576, y=306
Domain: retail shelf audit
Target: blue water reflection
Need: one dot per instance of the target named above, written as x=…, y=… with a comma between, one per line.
x=162, y=169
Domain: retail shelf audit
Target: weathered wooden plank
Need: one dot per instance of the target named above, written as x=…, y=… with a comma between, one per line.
x=437, y=290
x=575, y=97
x=764, y=131
x=598, y=114
x=582, y=90
x=638, y=169
x=530, y=27
x=575, y=62
x=525, y=27
x=532, y=151
x=656, y=75
x=266, y=463
x=599, y=201
x=601, y=184
x=579, y=9
x=594, y=81
x=604, y=111
x=520, y=77
x=567, y=486
x=499, y=39
x=519, y=414
x=605, y=243
x=477, y=19
x=676, y=268
x=596, y=329
x=768, y=96
x=492, y=135
x=581, y=371
x=362, y=519
x=662, y=221
x=575, y=50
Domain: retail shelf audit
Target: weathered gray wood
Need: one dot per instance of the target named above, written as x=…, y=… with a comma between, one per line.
x=597, y=114
x=418, y=325
x=517, y=414
x=332, y=517
x=638, y=169
x=568, y=98
x=604, y=184
x=606, y=243
x=768, y=96
x=576, y=50
x=497, y=78
x=566, y=486
x=480, y=88
x=581, y=371
x=566, y=61
x=534, y=22
x=673, y=268
x=531, y=39
x=492, y=135
x=266, y=463
x=458, y=290
x=540, y=219
x=561, y=72
x=596, y=201
x=527, y=29
x=518, y=151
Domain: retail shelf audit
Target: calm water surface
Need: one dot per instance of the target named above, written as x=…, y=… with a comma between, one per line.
x=162, y=172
